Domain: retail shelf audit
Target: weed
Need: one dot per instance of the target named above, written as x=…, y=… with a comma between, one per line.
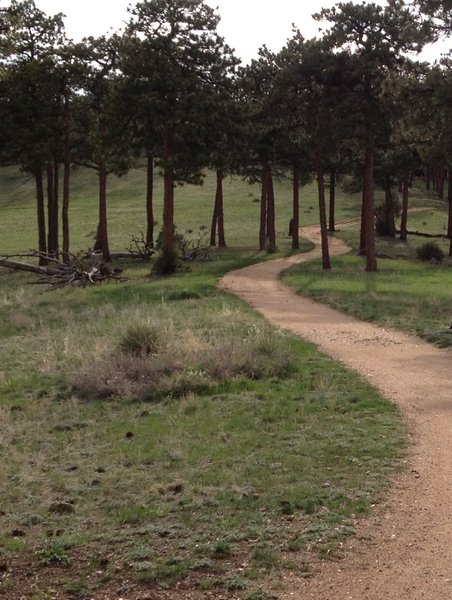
x=172, y=569
x=296, y=544
x=139, y=553
x=78, y=589
x=264, y=557
x=53, y=554
x=221, y=549
x=233, y=584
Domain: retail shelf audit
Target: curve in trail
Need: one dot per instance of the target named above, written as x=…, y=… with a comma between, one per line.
x=408, y=555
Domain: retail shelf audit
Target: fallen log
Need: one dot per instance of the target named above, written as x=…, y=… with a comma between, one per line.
x=78, y=272
x=426, y=235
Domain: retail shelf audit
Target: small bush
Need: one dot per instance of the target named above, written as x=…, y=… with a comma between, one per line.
x=430, y=252
x=167, y=263
x=53, y=554
x=221, y=549
x=140, y=339
x=233, y=584
x=381, y=225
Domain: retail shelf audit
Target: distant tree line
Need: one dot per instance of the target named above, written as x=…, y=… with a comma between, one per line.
x=169, y=90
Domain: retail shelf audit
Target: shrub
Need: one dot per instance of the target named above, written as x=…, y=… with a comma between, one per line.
x=166, y=263
x=430, y=252
x=140, y=339
x=381, y=226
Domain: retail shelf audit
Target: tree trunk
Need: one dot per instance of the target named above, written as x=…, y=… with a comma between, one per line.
x=65, y=208
x=326, y=264
x=213, y=227
x=362, y=235
x=441, y=177
x=41, y=216
x=271, y=233
x=295, y=225
x=56, y=193
x=219, y=201
x=263, y=213
x=368, y=200
x=389, y=209
x=404, y=215
x=150, y=202
x=332, y=224
x=52, y=213
x=449, y=202
x=168, y=191
x=66, y=181
x=218, y=214
x=102, y=229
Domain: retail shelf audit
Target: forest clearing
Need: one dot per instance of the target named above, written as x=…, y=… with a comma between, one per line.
x=225, y=308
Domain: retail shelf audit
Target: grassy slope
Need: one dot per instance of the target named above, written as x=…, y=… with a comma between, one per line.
x=220, y=486
x=193, y=209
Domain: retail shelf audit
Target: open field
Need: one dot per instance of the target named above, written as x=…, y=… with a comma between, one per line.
x=193, y=209
x=161, y=436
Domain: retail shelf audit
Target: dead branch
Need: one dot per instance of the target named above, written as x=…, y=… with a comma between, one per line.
x=194, y=249
x=79, y=272
x=140, y=248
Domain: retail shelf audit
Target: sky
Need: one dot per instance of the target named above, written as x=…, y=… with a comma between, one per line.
x=245, y=24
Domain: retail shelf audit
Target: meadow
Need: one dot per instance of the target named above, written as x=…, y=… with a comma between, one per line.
x=157, y=434
x=405, y=293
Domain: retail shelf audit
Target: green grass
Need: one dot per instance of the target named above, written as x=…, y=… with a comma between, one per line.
x=126, y=208
x=405, y=293
x=221, y=476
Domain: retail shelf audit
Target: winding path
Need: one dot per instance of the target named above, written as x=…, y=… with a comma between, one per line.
x=403, y=552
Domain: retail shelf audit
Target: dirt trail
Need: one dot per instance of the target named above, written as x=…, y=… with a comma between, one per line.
x=403, y=552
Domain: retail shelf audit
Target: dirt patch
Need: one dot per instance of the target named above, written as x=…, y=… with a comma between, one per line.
x=404, y=551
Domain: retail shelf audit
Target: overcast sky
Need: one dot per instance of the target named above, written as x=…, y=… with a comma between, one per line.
x=245, y=24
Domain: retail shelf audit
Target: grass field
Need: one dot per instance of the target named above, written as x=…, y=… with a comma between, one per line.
x=405, y=293
x=126, y=205
x=159, y=434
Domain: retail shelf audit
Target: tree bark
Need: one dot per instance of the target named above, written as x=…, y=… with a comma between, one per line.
x=263, y=212
x=271, y=233
x=150, y=202
x=449, y=202
x=168, y=188
x=404, y=215
x=56, y=193
x=219, y=201
x=66, y=180
x=40, y=207
x=326, y=264
x=102, y=229
x=440, y=178
x=295, y=226
x=52, y=212
x=362, y=235
x=389, y=209
x=213, y=227
x=368, y=201
x=332, y=224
